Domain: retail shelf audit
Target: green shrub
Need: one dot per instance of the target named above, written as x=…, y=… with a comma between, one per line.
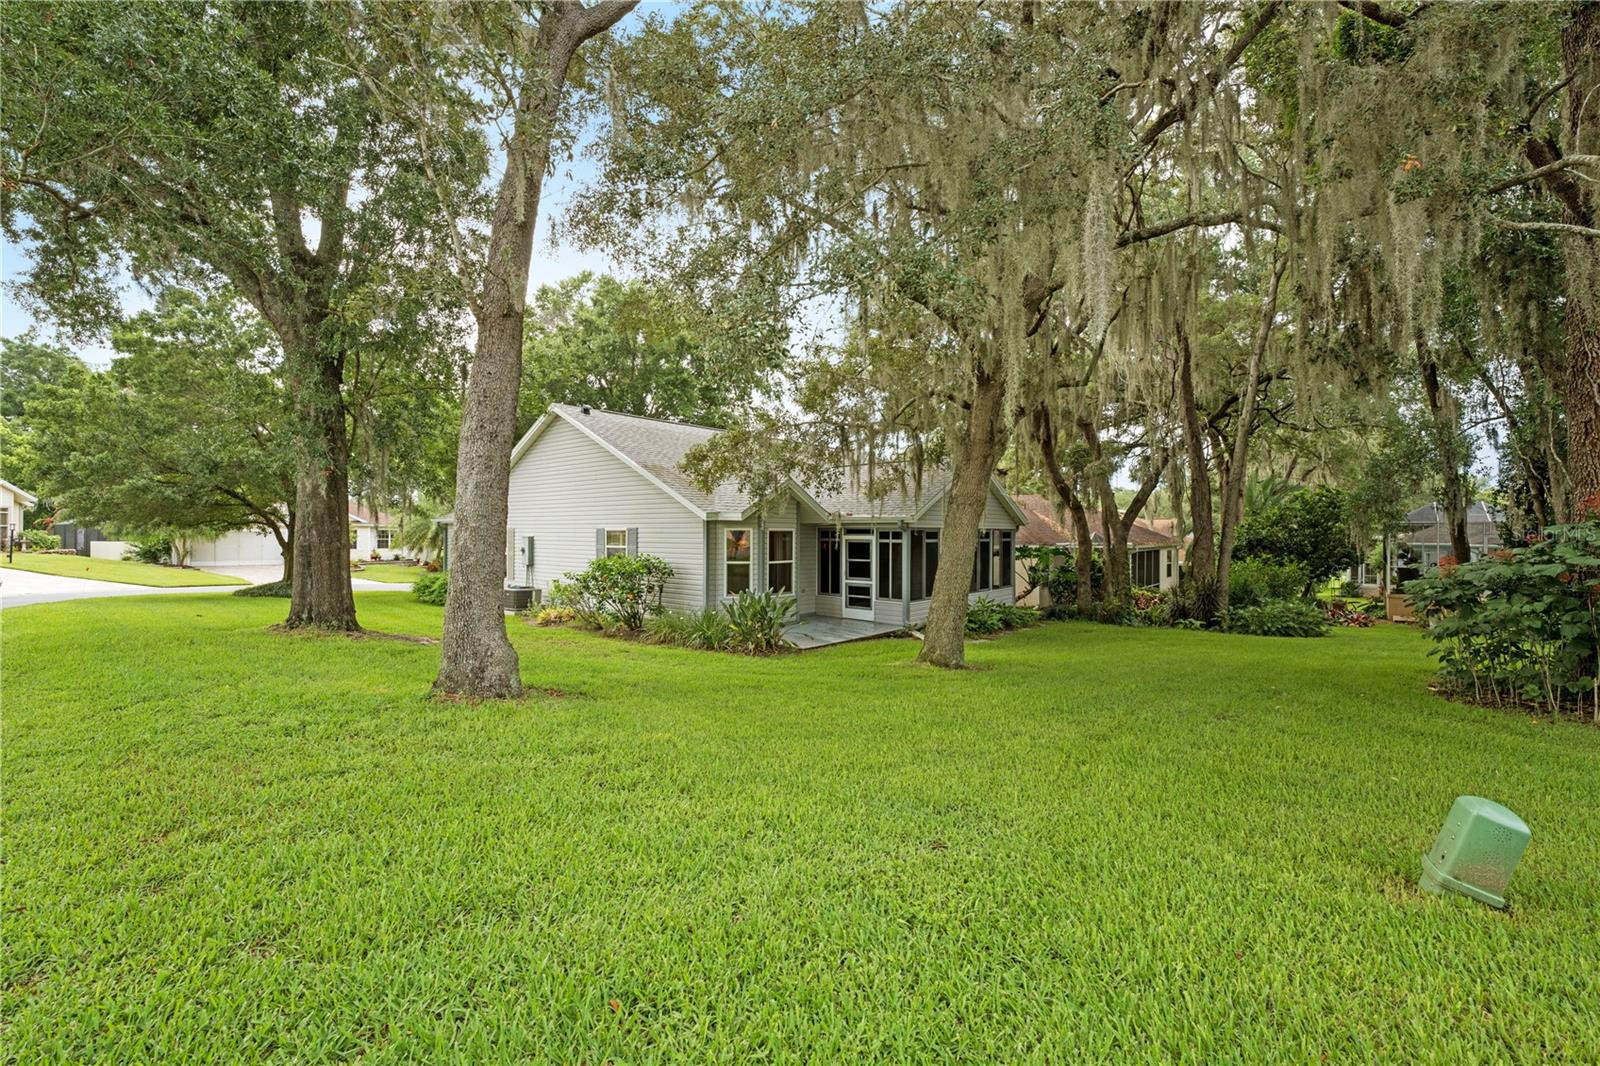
x=283, y=589
x=1277, y=618
x=991, y=616
x=37, y=540
x=617, y=590
x=1309, y=526
x=708, y=630
x=157, y=549
x=431, y=588
x=1521, y=625
x=1256, y=581
x=756, y=621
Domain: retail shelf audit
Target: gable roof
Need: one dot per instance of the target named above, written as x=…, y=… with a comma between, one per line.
x=29, y=498
x=655, y=448
x=362, y=515
x=1043, y=528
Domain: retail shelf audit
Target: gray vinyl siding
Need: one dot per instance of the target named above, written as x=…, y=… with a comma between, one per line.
x=566, y=486
x=995, y=515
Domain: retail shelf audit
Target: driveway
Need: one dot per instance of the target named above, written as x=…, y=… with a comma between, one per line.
x=19, y=588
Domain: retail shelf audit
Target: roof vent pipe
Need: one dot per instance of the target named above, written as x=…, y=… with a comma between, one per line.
x=584, y=408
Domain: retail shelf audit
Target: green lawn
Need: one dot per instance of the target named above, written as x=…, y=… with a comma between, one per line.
x=122, y=571
x=224, y=844
x=395, y=573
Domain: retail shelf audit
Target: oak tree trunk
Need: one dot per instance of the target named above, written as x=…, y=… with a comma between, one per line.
x=319, y=549
x=1083, y=559
x=477, y=659
x=975, y=456
x=1202, y=555
x=1580, y=53
x=1451, y=451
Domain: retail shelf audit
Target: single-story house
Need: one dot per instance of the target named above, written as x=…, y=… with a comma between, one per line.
x=370, y=531
x=1427, y=533
x=587, y=483
x=1424, y=540
x=14, y=504
x=1152, y=554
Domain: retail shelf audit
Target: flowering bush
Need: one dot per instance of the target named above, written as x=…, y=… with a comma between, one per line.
x=621, y=590
x=1522, y=625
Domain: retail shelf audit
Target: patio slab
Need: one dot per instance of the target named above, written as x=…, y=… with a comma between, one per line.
x=814, y=631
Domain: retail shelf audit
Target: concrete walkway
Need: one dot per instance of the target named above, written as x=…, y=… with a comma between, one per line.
x=21, y=588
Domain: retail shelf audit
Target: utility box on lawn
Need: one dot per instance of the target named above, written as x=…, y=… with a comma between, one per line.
x=1477, y=850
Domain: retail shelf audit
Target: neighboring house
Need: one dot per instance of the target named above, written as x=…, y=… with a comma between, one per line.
x=1427, y=533
x=1424, y=540
x=1152, y=554
x=587, y=483
x=14, y=503
x=369, y=531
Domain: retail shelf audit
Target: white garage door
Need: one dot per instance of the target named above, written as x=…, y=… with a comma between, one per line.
x=239, y=548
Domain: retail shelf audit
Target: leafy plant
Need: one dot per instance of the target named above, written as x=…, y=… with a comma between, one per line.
x=991, y=616
x=1521, y=625
x=431, y=588
x=622, y=590
x=1151, y=608
x=756, y=621
x=1277, y=618
x=554, y=616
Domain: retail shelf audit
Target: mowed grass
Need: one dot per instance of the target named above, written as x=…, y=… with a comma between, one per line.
x=122, y=571
x=228, y=845
x=394, y=573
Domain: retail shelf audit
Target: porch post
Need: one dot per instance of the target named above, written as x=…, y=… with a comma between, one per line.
x=758, y=556
x=905, y=574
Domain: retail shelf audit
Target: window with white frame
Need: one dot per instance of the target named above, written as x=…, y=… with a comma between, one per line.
x=616, y=542
x=385, y=537
x=780, y=560
x=736, y=545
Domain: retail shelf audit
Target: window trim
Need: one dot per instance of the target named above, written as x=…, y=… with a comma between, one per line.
x=748, y=564
x=383, y=538
x=790, y=562
x=615, y=549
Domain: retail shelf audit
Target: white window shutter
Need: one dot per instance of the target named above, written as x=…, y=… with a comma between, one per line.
x=600, y=543
x=511, y=556
x=633, y=540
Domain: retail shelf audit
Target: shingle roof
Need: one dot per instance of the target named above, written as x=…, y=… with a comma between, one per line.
x=658, y=447
x=1426, y=526
x=1043, y=528
x=1429, y=514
